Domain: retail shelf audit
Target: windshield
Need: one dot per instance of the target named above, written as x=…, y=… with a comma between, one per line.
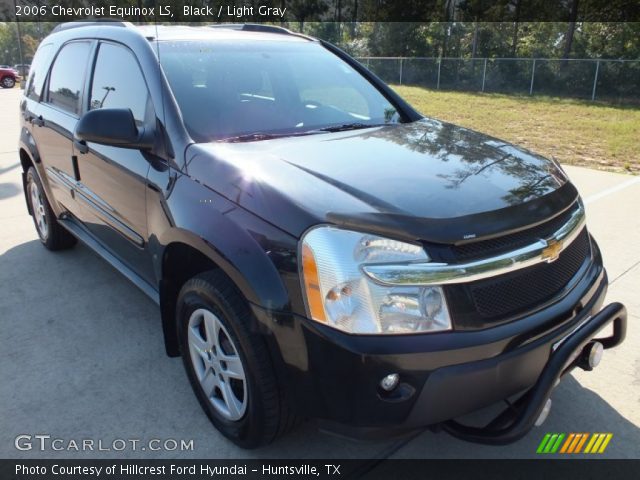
x=227, y=90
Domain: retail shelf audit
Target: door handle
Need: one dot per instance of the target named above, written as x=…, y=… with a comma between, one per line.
x=37, y=121
x=81, y=146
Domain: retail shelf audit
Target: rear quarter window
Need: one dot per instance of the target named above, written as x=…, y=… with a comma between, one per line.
x=67, y=77
x=38, y=71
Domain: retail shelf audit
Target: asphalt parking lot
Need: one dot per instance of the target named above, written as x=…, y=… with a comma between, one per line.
x=81, y=352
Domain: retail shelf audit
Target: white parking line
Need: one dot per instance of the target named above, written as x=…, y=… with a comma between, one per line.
x=609, y=191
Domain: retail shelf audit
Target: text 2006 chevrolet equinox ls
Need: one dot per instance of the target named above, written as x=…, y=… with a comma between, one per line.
x=317, y=247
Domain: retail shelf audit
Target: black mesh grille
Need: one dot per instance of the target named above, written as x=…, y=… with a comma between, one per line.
x=524, y=289
x=505, y=243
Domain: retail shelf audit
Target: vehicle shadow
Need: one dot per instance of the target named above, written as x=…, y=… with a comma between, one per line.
x=9, y=168
x=93, y=343
x=88, y=361
x=8, y=190
x=576, y=409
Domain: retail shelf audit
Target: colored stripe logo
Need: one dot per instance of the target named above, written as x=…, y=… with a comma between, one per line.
x=574, y=443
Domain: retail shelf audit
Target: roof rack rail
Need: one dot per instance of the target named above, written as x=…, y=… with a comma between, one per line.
x=259, y=27
x=112, y=22
x=252, y=27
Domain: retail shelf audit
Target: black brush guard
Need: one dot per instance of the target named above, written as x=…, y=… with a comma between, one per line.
x=516, y=421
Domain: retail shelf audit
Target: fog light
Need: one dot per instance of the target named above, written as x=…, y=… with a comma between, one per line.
x=390, y=382
x=590, y=356
x=595, y=354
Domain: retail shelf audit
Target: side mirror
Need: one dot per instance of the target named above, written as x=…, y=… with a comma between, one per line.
x=113, y=126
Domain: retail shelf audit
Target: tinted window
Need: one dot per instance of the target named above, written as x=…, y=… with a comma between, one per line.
x=38, y=71
x=67, y=76
x=226, y=89
x=118, y=82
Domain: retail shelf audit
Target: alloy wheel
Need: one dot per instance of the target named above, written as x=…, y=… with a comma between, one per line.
x=217, y=364
x=37, y=204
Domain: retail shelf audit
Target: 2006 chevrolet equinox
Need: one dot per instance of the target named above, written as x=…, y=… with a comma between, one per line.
x=317, y=247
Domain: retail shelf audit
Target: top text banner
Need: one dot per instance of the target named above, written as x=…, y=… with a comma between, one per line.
x=301, y=11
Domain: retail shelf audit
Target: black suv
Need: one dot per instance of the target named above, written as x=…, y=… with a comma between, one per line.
x=317, y=247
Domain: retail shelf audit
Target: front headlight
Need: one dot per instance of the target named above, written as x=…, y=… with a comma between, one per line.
x=340, y=295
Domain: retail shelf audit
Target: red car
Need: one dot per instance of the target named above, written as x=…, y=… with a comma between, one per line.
x=8, y=77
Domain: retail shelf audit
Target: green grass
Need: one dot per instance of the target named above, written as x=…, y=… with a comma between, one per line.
x=575, y=132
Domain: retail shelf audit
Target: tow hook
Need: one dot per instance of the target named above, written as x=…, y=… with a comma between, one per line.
x=590, y=356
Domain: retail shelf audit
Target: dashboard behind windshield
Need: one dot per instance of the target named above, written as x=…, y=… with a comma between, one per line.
x=228, y=89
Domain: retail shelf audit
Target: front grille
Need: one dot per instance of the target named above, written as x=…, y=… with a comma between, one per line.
x=493, y=301
x=529, y=287
x=513, y=241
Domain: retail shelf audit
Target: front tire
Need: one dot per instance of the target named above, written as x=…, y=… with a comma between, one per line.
x=8, y=82
x=51, y=233
x=228, y=366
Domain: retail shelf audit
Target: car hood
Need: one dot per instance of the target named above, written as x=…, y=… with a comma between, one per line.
x=426, y=180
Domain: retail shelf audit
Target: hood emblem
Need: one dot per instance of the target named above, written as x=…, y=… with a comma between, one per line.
x=552, y=250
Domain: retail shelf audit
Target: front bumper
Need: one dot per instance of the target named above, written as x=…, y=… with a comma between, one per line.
x=335, y=377
x=518, y=419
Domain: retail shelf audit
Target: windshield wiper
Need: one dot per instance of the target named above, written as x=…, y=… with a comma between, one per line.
x=257, y=136
x=252, y=137
x=348, y=126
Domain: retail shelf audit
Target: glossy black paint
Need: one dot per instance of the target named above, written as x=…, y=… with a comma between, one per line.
x=424, y=180
x=115, y=127
x=177, y=208
x=334, y=376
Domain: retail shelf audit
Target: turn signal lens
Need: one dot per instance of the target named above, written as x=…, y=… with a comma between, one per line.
x=312, y=285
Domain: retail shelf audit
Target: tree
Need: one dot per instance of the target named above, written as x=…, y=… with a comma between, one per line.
x=516, y=24
x=568, y=41
x=31, y=35
x=304, y=9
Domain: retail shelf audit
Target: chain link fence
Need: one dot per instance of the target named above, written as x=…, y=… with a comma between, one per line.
x=608, y=80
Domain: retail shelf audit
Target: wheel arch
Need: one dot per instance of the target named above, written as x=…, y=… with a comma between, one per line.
x=180, y=261
x=186, y=257
x=30, y=157
x=27, y=162
x=198, y=230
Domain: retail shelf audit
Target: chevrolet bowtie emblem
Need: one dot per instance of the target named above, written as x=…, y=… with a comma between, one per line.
x=552, y=251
